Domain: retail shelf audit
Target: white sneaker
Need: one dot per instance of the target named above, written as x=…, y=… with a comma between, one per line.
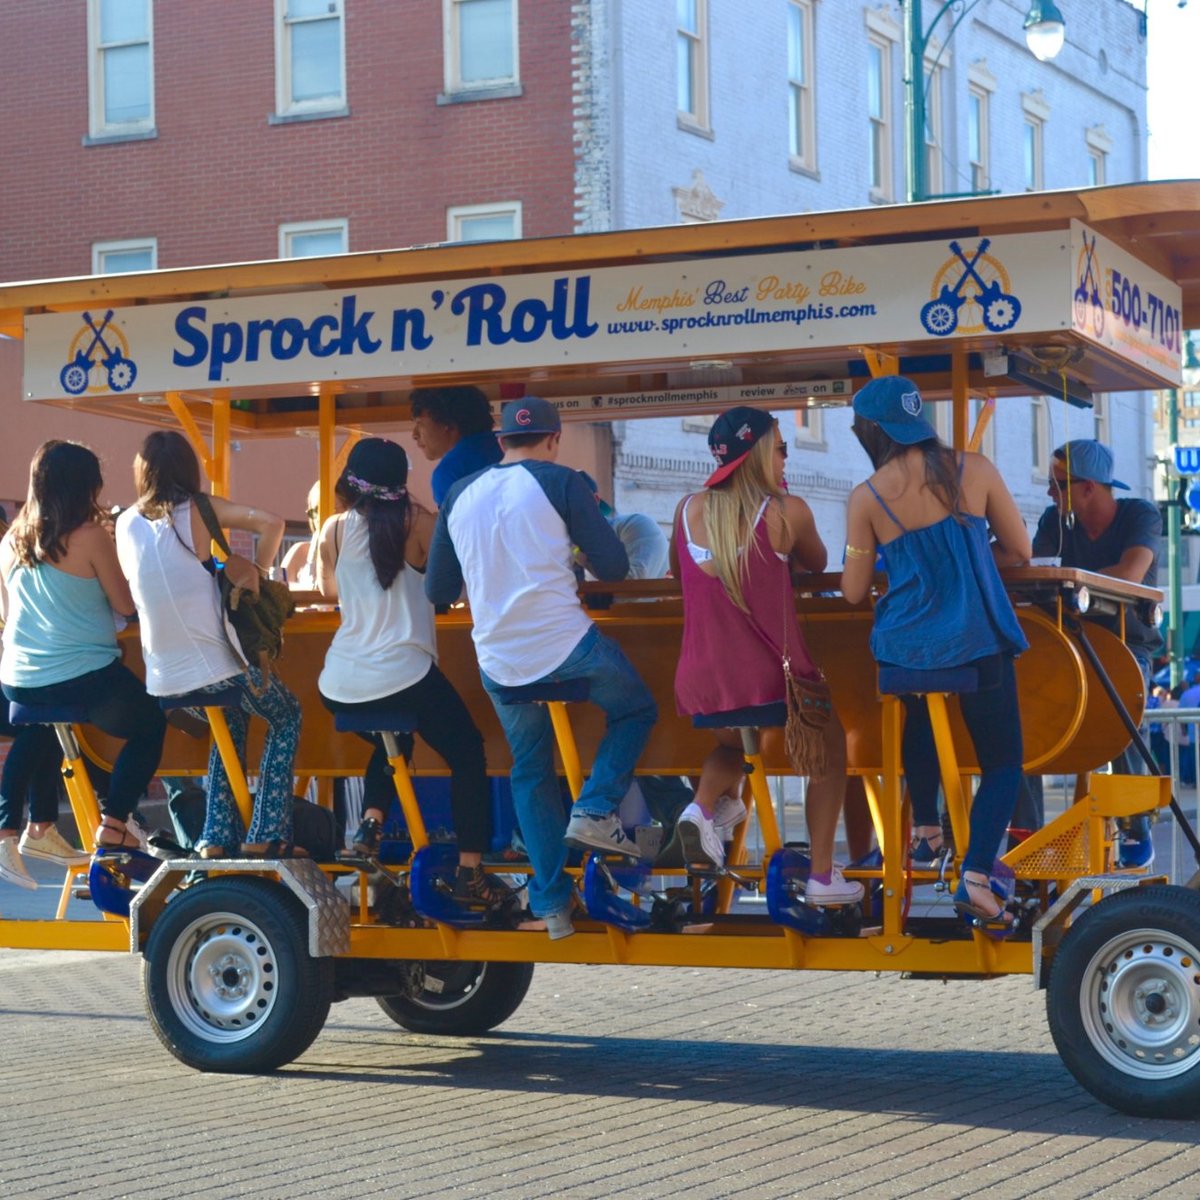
x=698, y=837
x=51, y=847
x=600, y=833
x=12, y=869
x=728, y=813
x=839, y=890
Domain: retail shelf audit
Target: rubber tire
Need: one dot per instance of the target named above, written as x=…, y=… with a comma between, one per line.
x=1174, y=914
x=483, y=996
x=302, y=986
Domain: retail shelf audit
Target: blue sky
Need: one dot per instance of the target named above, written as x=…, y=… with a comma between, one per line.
x=1174, y=88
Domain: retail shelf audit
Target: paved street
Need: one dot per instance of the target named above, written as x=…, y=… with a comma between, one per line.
x=608, y=1081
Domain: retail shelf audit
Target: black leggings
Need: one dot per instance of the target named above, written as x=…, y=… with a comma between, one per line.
x=446, y=726
x=31, y=769
x=994, y=723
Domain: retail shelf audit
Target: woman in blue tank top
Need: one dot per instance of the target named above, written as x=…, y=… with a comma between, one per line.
x=929, y=514
x=61, y=585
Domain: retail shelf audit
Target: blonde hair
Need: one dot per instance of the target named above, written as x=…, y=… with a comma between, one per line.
x=731, y=513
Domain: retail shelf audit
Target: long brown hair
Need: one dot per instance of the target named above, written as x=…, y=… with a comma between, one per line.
x=731, y=513
x=166, y=472
x=941, y=465
x=64, y=484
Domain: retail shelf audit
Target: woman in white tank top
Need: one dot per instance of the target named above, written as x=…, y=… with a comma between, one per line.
x=371, y=560
x=187, y=646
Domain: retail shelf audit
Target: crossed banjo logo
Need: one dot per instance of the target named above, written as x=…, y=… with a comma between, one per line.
x=970, y=293
x=98, y=359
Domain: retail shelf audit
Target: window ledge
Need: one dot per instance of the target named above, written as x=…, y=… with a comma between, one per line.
x=799, y=167
x=111, y=139
x=806, y=444
x=691, y=125
x=321, y=114
x=877, y=197
x=505, y=91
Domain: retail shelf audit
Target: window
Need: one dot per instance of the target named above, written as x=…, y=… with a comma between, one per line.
x=119, y=258
x=481, y=49
x=484, y=222
x=1040, y=422
x=981, y=83
x=801, y=118
x=1100, y=412
x=310, y=58
x=1099, y=145
x=120, y=68
x=977, y=138
x=879, y=108
x=943, y=421
x=691, y=62
x=308, y=239
x=1037, y=112
x=933, y=128
x=810, y=428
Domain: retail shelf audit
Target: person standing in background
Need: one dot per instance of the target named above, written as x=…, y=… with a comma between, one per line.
x=452, y=426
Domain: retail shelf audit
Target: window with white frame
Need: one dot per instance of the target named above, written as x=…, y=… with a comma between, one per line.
x=943, y=421
x=484, y=222
x=981, y=84
x=933, y=127
x=810, y=427
x=119, y=258
x=1033, y=131
x=120, y=67
x=310, y=239
x=310, y=57
x=802, y=124
x=481, y=46
x=691, y=62
x=879, y=111
x=1040, y=429
x=1100, y=418
x=1099, y=146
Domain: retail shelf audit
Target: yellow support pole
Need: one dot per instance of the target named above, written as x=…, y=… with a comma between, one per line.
x=408, y=803
x=326, y=450
x=879, y=362
x=191, y=431
x=952, y=787
x=982, y=422
x=565, y=737
x=767, y=824
x=219, y=475
x=892, y=841
x=959, y=378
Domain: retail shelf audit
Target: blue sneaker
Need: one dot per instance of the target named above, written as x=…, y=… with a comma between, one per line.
x=1135, y=849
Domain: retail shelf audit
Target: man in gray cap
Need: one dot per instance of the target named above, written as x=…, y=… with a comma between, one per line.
x=508, y=532
x=1089, y=528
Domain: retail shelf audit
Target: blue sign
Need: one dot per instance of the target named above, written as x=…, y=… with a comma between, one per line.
x=1187, y=460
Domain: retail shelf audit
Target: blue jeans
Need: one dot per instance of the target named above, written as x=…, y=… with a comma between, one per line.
x=993, y=720
x=116, y=702
x=1130, y=762
x=630, y=713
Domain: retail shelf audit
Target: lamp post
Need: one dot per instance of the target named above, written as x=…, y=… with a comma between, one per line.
x=1044, y=34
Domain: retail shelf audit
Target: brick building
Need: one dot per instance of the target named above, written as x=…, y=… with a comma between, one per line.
x=142, y=134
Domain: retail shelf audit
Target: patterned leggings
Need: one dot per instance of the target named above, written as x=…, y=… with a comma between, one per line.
x=273, y=802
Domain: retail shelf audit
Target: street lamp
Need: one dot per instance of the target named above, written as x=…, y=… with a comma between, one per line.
x=1044, y=34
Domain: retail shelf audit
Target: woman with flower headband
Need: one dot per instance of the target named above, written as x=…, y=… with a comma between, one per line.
x=371, y=560
x=187, y=646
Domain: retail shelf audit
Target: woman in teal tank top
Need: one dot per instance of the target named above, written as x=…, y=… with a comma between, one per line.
x=60, y=586
x=946, y=623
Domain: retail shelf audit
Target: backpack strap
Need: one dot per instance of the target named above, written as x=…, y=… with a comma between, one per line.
x=209, y=517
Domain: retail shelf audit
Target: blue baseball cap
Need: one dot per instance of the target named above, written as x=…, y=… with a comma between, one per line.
x=530, y=414
x=894, y=404
x=1085, y=458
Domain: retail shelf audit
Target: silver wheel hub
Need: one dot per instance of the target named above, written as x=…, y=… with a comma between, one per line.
x=222, y=977
x=1140, y=1002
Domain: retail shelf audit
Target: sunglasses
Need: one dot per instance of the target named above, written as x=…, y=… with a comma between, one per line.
x=781, y=448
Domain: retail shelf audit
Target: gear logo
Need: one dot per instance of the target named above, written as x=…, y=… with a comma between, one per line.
x=99, y=359
x=970, y=294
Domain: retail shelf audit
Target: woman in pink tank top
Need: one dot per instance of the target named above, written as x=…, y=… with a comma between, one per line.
x=733, y=548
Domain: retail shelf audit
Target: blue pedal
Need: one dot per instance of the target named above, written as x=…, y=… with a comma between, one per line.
x=112, y=874
x=431, y=885
x=787, y=873
x=600, y=881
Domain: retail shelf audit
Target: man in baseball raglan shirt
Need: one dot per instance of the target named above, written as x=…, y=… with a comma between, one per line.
x=508, y=532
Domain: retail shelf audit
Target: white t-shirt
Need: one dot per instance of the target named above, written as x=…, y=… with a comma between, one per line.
x=186, y=643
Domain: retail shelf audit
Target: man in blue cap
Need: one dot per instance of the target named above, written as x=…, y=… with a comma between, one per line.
x=1089, y=528
x=507, y=532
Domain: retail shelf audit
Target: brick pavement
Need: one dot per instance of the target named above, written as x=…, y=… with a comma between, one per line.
x=607, y=1081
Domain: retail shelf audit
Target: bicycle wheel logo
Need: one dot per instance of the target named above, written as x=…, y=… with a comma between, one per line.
x=970, y=294
x=1088, y=303
x=98, y=359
